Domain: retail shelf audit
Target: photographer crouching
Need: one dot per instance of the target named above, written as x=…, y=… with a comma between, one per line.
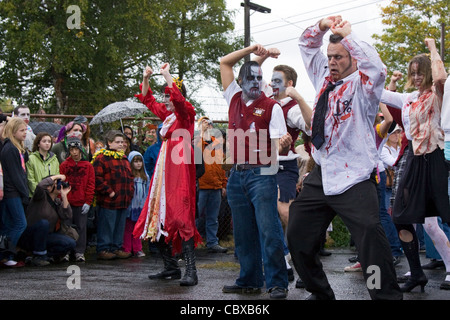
x=49, y=235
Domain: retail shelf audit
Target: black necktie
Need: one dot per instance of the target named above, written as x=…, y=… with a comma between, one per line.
x=318, y=125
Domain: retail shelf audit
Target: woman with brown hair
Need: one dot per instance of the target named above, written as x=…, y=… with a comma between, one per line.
x=422, y=192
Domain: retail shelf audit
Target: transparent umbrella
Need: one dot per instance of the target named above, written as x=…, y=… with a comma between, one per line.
x=118, y=110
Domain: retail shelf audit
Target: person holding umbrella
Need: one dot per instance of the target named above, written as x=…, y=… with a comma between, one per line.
x=168, y=216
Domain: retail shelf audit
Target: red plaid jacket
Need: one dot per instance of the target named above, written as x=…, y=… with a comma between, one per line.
x=113, y=175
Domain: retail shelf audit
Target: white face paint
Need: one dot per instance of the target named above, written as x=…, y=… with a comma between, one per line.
x=24, y=114
x=252, y=83
x=168, y=103
x=277, y=83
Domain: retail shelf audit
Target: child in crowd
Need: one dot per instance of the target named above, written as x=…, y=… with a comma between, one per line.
x=81, y=177
x=42, y=162
x=141, y=185
x=114, y=188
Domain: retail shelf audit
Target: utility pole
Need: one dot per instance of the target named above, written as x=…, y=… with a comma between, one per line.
x=253, y=6
x=443, y=42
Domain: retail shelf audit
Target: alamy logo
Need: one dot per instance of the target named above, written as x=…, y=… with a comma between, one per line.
x=74, y=280
x=74, y=21
x=374, y=280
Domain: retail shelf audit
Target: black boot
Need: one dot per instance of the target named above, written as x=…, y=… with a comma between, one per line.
x=411, y=250
x=171, y=269
x=190, y=277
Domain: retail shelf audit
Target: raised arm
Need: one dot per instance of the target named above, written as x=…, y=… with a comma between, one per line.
x=145, y=86
x=371, y=68
x=230, y=60
x=388, y=119
x=271, y=53
x=437, y=67
x=304, y=107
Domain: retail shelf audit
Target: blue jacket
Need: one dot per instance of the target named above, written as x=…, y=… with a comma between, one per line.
x=151, y=154
x=141, y=189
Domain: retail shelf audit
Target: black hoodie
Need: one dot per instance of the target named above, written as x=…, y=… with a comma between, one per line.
x=15, y=182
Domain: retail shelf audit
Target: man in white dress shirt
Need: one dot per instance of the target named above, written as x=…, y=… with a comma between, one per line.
x=343, y=181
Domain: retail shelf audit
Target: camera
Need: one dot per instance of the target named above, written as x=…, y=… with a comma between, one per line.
x=61, y=184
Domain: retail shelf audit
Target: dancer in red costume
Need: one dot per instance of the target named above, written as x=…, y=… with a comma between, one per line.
x=169, y=212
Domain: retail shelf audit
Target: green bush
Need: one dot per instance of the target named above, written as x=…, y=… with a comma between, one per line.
x=340, y=236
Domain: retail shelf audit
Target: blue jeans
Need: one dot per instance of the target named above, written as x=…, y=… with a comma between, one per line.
x=110, y=229
x=13, y=222
x=208, y=211
x=385, y=218
x=257, y=229
x=37, y=239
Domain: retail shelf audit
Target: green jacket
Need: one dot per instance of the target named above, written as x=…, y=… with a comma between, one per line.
x=38, y=169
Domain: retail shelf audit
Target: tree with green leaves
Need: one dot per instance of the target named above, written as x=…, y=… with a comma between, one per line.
x=46, y=58
x=408, y=23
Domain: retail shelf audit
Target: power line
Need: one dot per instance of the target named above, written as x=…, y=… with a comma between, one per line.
x=296, y=15
x=316, y=17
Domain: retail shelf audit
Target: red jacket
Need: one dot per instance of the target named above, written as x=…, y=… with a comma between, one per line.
x=81, y=178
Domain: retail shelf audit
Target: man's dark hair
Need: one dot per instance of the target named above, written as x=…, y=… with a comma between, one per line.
x=16, y=109
x=246, y=69
x=335, y=38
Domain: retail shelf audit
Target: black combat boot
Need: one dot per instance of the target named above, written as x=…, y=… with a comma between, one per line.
x=171, y=269
x=190, y=276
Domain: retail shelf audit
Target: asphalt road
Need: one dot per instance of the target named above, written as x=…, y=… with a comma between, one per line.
x=127, y=280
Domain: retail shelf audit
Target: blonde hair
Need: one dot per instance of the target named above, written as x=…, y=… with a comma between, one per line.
x=11, y=127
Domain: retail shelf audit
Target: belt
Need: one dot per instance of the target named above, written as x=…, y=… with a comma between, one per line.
x=246, y=166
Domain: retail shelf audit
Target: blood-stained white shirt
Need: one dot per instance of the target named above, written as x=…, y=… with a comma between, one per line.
x=349, y=154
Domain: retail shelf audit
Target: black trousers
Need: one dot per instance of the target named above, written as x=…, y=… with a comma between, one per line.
x=309, y=216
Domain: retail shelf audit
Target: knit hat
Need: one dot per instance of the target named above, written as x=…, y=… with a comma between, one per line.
x=74, y=142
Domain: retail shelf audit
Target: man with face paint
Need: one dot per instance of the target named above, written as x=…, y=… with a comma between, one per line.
x=343, y=180
x=23, y=112
x=252, y=192
x=295, y=111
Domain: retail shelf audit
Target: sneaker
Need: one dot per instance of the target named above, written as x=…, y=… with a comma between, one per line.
x=12, y=264
x=106, y=255
x=139, y=254
x=79, y=257
x=39, y=261
x=353, y=268
x=122, y=254
x=217, y=249
x=65, y=258
x=278, y=293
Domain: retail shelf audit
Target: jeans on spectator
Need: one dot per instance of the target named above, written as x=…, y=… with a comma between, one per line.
x=110, y=229
x=208, y=212
x=386, y=219
x=80, y=220
x=253, y=201
x=37, y=239
x=13, y=218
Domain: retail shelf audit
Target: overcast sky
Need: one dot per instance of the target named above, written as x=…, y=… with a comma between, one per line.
x=281, y=29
